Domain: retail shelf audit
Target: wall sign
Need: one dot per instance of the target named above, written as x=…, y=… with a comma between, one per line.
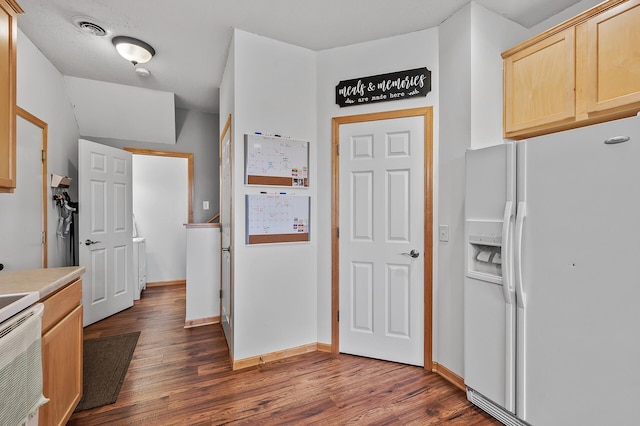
x=384, y=87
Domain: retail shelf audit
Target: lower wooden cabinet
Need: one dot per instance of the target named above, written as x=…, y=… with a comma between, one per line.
x=62, y=355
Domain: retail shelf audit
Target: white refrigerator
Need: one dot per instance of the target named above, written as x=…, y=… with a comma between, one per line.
x=552, y=280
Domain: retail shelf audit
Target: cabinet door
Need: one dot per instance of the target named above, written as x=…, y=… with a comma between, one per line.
x=613, y=58
x=62, y=369
x=539, y=84
x=8, y=35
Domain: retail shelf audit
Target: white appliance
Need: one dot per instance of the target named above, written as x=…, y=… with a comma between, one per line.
x=21, y=363
x=552, y=286
x=139, y=266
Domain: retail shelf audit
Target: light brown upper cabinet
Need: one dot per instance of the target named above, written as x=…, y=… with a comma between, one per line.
x=613, y=59
x=583, y=71
x=539, y=83
x=9, y=11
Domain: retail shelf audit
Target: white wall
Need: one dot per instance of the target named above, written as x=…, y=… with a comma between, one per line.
x=41, y=91
x=160, y=205
x=198, y=135
x=414, y=50
x=560, y=17
x=118, y=111
x=21, y=246
x=227, y=87
x=491, y=34
x=274, y=300
x=470, y=45
x=203, y=273
x=455, y=129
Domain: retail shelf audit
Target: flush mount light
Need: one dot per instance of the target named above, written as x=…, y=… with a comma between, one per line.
x=133, y=50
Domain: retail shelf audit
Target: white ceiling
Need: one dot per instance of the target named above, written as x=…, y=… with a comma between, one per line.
x=191, y=37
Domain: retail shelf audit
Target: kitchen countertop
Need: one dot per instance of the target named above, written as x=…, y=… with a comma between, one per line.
x=45, y=281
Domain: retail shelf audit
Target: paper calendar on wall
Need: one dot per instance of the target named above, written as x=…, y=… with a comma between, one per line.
x=276, y=161
x=274, y=218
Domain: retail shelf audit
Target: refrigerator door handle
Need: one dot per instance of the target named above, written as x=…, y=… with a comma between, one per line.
x=507, y=272
x=520, y=215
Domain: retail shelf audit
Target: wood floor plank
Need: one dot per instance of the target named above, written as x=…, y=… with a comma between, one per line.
x=183, y=376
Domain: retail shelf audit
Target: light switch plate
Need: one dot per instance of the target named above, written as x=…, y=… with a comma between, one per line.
x=205, y=205
x=444, y=233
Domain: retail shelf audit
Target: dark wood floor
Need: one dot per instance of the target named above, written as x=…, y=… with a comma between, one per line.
x=183, y=377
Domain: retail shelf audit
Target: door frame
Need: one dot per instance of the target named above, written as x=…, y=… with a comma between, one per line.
x=44, y=127
x=188, y=156
x=336, y=122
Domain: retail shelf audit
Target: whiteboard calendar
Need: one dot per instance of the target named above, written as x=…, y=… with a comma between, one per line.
x=277, y=218
x=276, y=161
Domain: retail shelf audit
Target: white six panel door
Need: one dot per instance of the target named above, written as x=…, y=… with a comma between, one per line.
x=225, y=235
x=381, y=222
x=105, y=229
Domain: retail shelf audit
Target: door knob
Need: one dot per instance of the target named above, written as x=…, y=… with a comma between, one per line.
x=413, y=253
x=89, y=242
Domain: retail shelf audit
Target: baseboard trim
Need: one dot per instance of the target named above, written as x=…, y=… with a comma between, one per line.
x=273, y=356
x=324, y=347
x=165, y=283
x=201, y=321
x=449, y=375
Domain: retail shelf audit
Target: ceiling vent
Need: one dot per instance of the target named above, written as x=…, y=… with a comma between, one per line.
x=87, y=26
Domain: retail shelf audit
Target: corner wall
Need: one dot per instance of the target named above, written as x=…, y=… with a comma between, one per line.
x=455, y=128
x=274, y=294
x=471, y=42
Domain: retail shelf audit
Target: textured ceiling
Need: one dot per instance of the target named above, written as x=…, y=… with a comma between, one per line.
x=191, y=37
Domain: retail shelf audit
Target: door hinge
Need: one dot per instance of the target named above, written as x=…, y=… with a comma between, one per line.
x=338, y=316
x=338, y=149
x=44, y=237
x=338, y=232
x=220, y=293
x=44, y=155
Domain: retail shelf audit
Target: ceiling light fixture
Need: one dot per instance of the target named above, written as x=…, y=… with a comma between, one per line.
x=133, y=50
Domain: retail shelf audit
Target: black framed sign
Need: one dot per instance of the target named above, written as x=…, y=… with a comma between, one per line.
x=384, y=87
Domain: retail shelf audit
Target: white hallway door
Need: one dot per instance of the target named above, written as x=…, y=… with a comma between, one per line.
x=105, y=229
x=382, y=239
x=225, y=233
